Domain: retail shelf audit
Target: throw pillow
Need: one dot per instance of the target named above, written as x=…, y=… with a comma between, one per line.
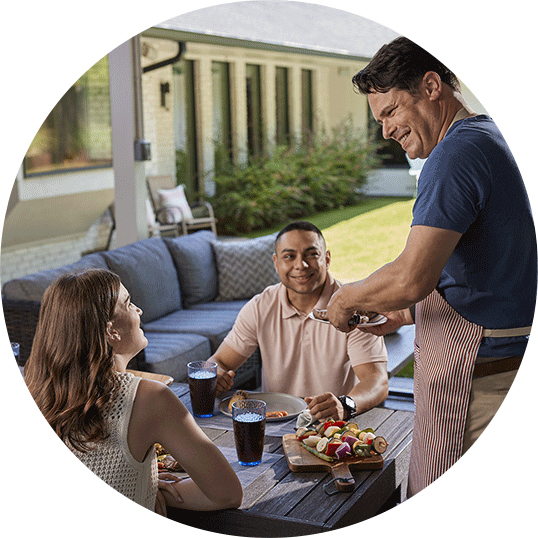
x=176, y=202
x=147, y=270
x=245, y=268
x=195, y=265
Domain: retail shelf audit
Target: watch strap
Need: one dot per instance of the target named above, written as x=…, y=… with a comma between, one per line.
x=349, y=411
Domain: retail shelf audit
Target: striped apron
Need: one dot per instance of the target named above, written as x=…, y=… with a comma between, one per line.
x=446, y=347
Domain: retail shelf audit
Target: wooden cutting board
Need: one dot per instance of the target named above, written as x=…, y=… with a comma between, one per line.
x=300, y=460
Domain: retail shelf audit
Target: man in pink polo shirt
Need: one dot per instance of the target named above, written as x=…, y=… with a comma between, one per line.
x=338, y=374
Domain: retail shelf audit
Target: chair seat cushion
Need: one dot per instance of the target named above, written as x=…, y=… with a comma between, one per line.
x=213, y=324
x=234, y=306
x=169, y=353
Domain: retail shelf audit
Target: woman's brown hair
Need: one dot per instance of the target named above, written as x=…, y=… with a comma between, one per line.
x=70, y=371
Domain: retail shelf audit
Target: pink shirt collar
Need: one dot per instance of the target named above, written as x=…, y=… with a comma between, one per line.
x=288, y=310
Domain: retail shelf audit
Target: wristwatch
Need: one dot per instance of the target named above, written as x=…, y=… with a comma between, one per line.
x=349, y=405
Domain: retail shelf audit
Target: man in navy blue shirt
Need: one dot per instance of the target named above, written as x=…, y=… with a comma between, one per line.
x=467, y=276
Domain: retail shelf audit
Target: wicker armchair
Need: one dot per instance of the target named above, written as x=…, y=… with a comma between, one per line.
x=21, y=322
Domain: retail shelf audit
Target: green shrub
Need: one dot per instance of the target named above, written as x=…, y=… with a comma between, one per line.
x=293, y=183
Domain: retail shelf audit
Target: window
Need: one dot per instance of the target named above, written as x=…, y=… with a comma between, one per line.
x=307, y=113
x=283, y=135
x=185, y=127
x=222, y=124
x=77, y=133
x=254, y=111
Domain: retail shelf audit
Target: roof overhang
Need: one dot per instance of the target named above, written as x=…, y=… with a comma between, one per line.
x=213, y=39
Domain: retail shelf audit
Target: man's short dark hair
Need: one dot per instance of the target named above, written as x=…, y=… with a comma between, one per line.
x=401, y=64
x=299, y=225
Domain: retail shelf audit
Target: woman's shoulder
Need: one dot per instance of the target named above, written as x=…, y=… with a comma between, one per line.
x=150, y=389
x=155, y=397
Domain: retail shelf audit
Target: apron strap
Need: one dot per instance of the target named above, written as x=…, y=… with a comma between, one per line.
x=503, y=333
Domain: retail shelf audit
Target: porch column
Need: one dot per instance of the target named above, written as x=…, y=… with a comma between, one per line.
x=126, y=120
x=268, y=84
x=204, y=104
x=295, y=100
x=239, y=111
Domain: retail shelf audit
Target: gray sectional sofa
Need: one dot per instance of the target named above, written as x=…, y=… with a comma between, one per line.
x=190, y=289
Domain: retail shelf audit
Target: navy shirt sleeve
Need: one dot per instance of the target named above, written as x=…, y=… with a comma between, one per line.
x=454, y=186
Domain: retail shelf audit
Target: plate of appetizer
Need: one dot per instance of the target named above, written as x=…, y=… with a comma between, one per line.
x=336, y=447
x=367, y=319
x=280, y=406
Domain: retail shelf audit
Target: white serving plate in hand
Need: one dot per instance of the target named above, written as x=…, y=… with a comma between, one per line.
x=378, y=319
x=275, y=401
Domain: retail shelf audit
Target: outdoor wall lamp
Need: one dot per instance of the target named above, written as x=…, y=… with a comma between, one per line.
x=165, y=88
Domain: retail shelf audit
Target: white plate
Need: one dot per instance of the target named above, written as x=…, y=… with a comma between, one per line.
x=276, y=401
x=378, y=319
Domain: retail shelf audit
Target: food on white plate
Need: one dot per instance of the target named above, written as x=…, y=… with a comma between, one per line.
x=320, y=314
x=336, y=440
x=239, y=395
x=166, y=462
x=276, y=414
x=358, y=318
x=242, y=395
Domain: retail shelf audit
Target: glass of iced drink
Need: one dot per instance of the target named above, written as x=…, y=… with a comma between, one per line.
x=203, y=387
x=249, y=429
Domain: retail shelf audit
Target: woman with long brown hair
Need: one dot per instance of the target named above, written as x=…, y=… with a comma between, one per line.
x=87, y=333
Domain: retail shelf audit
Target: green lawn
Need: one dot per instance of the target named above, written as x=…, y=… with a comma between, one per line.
x=367, y=241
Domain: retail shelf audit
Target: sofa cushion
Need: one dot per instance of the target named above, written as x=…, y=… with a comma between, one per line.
x=169, y=353
x=213, y=324
x=32, y=287
x=147, y=271
x=235, y=306
x=195, y=263
x=245, y=268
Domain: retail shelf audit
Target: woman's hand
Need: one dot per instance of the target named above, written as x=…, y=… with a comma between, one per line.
x=166, y=483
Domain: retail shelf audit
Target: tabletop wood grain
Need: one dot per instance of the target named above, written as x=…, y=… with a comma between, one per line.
x=279, y=502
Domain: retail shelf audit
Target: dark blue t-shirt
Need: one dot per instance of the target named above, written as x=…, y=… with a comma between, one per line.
x=471, y=184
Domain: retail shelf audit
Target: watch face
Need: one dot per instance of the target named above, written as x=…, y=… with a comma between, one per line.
x=350, y=403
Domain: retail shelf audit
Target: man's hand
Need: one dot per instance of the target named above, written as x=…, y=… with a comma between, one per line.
x=395, y=320
x=325, y=406
x=224, y=380
x=338, y=314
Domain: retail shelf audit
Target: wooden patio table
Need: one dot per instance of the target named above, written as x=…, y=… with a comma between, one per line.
x=278, y=502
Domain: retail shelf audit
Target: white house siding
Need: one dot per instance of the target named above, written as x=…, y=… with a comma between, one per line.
x=333, y=96
x=158, y=120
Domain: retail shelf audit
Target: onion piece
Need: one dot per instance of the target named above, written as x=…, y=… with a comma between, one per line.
x=342, y=451
x=350, y=440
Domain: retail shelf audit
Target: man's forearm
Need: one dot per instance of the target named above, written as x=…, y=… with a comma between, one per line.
x=385, y=290
x=369, y=393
